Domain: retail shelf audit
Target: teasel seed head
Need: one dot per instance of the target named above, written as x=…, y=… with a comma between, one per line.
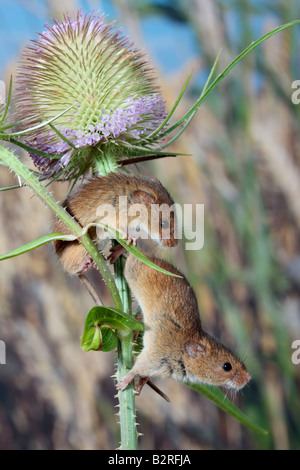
x=86, y=65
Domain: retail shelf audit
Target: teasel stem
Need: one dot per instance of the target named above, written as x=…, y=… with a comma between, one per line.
x=118, y=289
x=126, y=397
x=10, y=160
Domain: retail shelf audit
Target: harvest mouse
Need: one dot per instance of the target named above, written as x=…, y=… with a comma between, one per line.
x=109, y=199
x=175, y=345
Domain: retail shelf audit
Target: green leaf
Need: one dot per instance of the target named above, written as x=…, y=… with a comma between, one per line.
x=62, y=137
x=16, y=123
x=142, y=151
x=60, y=236
x=33, y=150
x=224, y=73
x=158, y=129
x=131, y=248
x=36, y=244
x=99, y=338
x=102, y=327
x=188, y=120
x=218, y=397
x=38, y=126
x=14, y=186
x=35, y=173
x=138, y=254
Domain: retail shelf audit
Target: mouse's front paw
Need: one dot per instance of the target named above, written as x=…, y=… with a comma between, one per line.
x=130, y=240
x=115, y=253
x=125, y=236
x=89, y=263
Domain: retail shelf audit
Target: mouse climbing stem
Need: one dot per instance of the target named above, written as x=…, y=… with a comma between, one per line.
x=10, y=160
x=125, y=362
x=118, y=289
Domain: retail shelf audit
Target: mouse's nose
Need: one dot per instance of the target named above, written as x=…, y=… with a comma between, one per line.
x=240, y=379
x=247, y=377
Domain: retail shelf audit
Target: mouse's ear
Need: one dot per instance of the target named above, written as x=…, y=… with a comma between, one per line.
x=193, y=349
x=140, y=196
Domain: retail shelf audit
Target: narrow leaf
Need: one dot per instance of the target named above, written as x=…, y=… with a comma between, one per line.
x=33, y=150
x=136, y=160
x=138, y=254
x=36, y=244
x=156, y=131
x=141, y=151
x=13, y=186
x=38, y=126
x=225, y=72
x=188, y=120
x=14, y=124
x=218, y=397
x=62, y=136
x=131, y=248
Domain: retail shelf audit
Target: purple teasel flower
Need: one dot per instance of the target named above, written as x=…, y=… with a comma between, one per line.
x=85, y=64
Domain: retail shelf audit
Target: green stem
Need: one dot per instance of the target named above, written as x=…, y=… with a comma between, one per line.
x=8, y=159
x=125, y=363
x=118, y=290
x=106, y=162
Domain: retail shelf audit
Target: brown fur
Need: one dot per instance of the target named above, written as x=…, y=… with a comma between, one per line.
x=175, y=346
x=83, y=204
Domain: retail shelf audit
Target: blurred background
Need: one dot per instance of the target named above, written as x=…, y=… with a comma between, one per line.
x=244, y=167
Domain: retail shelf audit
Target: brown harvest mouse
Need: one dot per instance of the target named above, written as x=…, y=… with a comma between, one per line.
x=175, y=346
x=112, y=200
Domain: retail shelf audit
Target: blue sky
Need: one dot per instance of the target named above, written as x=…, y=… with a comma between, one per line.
x=170, y=44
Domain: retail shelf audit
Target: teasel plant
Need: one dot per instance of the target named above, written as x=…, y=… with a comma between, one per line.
x=87, y=105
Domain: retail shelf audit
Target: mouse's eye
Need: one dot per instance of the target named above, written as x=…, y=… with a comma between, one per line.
x=227, y=366
x=164, y=224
